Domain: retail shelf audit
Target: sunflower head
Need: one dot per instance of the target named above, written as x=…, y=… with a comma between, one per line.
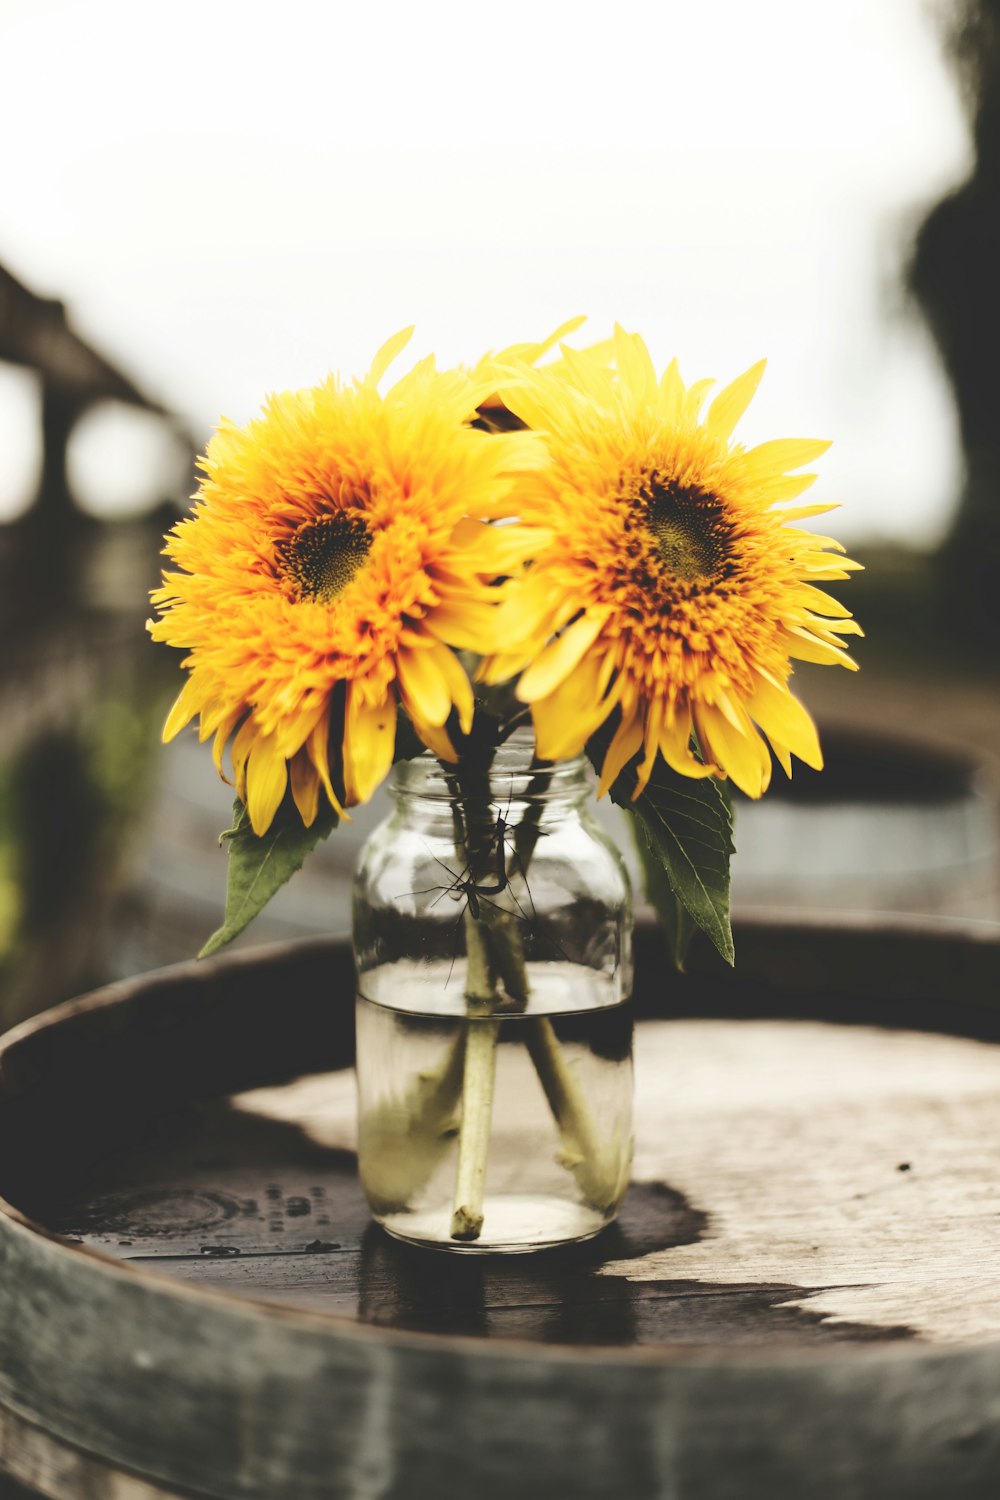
x=332, y=564
x=676, y=589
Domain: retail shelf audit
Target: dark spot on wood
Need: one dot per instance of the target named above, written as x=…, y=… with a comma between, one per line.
x=321, y=1247
x=296, y=1208
x=158, y=1211
x=904, y=1166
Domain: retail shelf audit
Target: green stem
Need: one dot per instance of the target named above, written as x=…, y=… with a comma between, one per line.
x=474, y=1137
x=480, y=982
x=495, y=950
x=599, y=1166
x=471, y=800
x=595, y=1163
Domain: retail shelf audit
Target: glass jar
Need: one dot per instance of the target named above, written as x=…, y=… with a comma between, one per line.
x=493, y=943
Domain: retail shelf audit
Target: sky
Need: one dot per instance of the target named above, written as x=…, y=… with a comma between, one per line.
x=237, y=198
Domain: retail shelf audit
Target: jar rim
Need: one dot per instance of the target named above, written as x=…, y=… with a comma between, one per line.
x=513, y=774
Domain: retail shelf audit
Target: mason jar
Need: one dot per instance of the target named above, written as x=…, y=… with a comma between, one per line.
x=493, y=945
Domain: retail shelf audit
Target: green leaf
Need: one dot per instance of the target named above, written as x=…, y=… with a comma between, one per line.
x=259, y=866
x=688, y=828
x=678, y=926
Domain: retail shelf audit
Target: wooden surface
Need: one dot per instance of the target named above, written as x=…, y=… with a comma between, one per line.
x=794, y=1182
x=801, y=1297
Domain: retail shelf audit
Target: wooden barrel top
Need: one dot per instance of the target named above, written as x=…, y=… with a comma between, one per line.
x=802, y=1295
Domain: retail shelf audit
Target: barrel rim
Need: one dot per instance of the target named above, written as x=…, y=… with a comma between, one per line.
x=695, y=1356
x=89, y=1260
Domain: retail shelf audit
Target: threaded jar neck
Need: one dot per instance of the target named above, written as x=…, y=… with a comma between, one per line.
x=515, y=780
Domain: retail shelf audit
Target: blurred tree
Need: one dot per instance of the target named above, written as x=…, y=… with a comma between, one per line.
x=955, y=272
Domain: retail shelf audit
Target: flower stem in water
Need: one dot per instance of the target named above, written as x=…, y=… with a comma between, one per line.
x=599, y=1166
x=474, y=1138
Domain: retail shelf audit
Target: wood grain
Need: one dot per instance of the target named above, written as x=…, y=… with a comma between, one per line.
x=861, y=1161
x=262, y=1199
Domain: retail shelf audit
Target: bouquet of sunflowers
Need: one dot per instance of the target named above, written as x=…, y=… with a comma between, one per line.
x=556, y=537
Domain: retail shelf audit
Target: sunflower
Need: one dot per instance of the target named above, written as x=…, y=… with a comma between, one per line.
x=675, y=591
x=330, y=567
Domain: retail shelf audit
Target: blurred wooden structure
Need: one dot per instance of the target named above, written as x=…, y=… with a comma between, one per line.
x=36, y=332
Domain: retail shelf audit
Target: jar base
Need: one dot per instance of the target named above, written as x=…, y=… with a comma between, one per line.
x=513, y=1224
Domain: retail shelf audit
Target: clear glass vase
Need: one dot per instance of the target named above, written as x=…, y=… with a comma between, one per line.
x=493, y=943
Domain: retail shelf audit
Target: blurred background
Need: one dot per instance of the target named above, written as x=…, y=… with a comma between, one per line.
x=199, y=206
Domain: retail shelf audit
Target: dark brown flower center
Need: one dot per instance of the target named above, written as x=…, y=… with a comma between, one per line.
x=324, y=555
x=689, y=527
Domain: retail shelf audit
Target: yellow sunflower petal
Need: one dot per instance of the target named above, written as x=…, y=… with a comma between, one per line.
x=186, y=705
x=742, y=756
x=502, y=666
x=803, y=512
x=731, y=402
x=634, y=366
x=531, y=353
x=369, y=742
x=458, y=685
x=436, y=740
x=823, y=604
x=651, y=739
x=565, y=720
x=385, y=356
x=783, y=719
x=696, y=394
x=624, y=745
x=318, y=750
x=424, y=690
x=493, y=550
x=532, y=610
x=672, y=393
x=845, y=627
x=211, y=717
x=267, y=778
x=675, y=747
x=468, y=627
x=559, y=658
x=305, y=786
x=523, y=399
x=802, y=645
x=222, y=734
x=587, y=373
x=780, y=455
x=525, y=353
x=246, y=738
